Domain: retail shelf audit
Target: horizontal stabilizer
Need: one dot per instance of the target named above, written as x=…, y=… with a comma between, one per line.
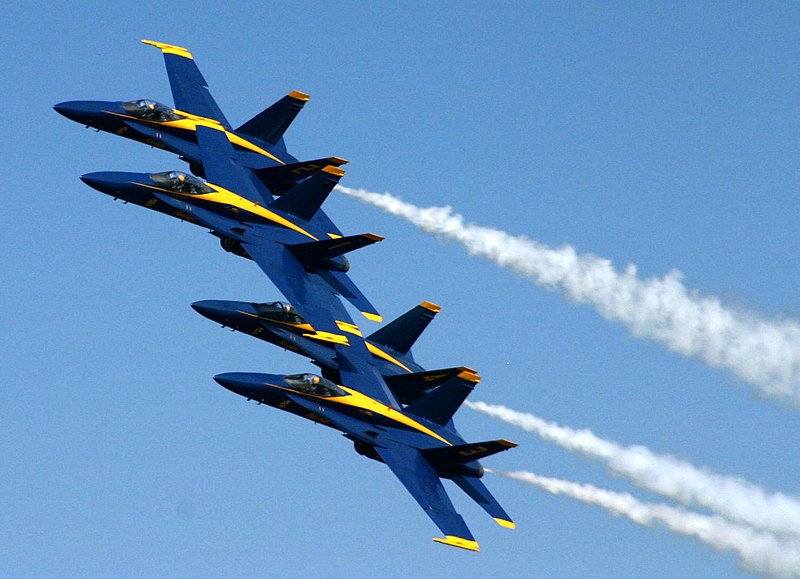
x=400, y=334
x=478, y=492
x=440, y=404
x=330, y=248
x=305, y=199
x=281, y=178
x=448, y=457
x=410, y=387
x=270, y=124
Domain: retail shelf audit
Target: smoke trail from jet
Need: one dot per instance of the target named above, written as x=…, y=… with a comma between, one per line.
x=759, y=551
x=732, y=497
x=765, y=353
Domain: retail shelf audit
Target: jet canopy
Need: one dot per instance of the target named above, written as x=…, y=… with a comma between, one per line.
x=148, y=110
x=313, y=384
x=181, y=182
x=279, y=311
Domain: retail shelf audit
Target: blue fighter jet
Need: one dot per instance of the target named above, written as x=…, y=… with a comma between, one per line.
x=419, y=443
x=258, y=143
x=295, y=244
x=279, y=323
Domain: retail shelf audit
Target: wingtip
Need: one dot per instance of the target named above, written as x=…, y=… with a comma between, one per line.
x=373, y=317
x=505, y=523
x=454, y=541
x=169, y=48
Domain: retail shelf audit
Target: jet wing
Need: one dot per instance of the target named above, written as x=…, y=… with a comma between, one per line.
x=221, y=168
x=421, y=480
x=189, y=88
x=359, y=373
x=314, y=299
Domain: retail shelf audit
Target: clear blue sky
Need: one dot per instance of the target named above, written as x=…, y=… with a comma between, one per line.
x=661, y=136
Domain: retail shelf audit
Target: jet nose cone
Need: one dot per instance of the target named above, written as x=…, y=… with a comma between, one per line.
x=245, y=384
x=231, y=314
x=235, y=382
x=100, y=181
x=83, y=112
x=211, y=309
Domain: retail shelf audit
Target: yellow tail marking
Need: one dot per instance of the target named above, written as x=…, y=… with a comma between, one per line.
x=506, y=524
x=296, y=94
x=458, y=542
x=170, y=48
x=469, y=376
x=331, y=170
x=430, y=306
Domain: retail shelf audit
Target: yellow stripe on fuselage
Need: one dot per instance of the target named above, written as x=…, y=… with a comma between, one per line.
x=222, y=196
x=348, y=327
x=358, y=400
x=377, y=352
x=190, y=123
x=307, y=327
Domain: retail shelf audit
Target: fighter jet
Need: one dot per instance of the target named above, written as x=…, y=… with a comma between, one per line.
x=287, y=237
x=279, y=323
x=258, y=143
x=418, y=443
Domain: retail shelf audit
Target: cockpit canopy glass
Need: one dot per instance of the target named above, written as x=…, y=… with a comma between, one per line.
x=150, y=110
x=181, y=182
x=313, y=384
x=279, y=311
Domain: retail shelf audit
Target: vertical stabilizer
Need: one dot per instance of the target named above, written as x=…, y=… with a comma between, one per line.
x=441, y=403
x=270, y=124
x=400, y=334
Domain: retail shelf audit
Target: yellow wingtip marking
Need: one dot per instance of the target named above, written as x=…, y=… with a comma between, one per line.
x=169, y=48
x=337, y=161
x=458, y=542
x=373, y=237
x=506, y=524
x=431, y=306
x=301, y=96
x=507, y=443
x=331, y=170
x=373, y=317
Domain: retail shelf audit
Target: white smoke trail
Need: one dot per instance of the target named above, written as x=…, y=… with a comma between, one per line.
x=765, y=353
x=759, y=551
x=732, y=497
